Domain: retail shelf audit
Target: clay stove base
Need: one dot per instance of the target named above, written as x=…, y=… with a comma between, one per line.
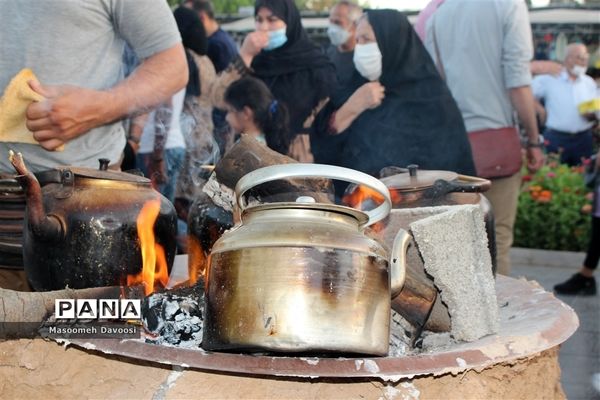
x=520, y=362
x=34, y=369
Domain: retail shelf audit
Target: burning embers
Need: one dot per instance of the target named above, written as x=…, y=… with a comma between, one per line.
x=174, y=317
x=154, y=262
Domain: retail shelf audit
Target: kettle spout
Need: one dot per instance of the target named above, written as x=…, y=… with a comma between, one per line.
x=398, y=261
x=45, y=227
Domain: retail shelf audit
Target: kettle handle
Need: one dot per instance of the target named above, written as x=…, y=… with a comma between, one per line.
x=299, y=170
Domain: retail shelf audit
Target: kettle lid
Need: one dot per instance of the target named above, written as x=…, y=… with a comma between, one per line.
x=57, y=175
x=107, y=175
x=413, y=179
x=302, y=203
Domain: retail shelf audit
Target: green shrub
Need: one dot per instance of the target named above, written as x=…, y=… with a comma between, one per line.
x=554, y=209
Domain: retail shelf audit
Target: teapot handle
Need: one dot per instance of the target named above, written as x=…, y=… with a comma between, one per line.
x=298, y=170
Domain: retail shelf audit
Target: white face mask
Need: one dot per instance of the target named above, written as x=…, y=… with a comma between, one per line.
x=337, y=35
x=367, y=60
x=578, y=70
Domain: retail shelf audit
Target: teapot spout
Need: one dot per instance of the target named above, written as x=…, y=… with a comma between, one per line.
x=398, y=261
x=45, y=227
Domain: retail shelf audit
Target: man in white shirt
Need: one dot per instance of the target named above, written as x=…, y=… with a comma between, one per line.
x=567, y=131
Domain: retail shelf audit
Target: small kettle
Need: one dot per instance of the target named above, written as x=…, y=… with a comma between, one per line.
x=302, y=276
x=81, y=230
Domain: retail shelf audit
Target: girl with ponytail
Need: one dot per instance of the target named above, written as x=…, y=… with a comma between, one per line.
x=252, y=110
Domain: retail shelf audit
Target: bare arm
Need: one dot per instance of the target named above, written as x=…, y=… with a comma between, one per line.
x=368, y=96
x=522, y=100
x=540, y=111
x=545, y=67
x=155, y=81
x=135, y=131
x=70, y=111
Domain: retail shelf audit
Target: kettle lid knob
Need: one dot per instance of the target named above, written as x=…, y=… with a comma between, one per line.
x=103, y=164
x=412, y=169
x=305, y=199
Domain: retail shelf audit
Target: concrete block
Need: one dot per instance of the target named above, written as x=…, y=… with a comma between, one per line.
x=453, y=245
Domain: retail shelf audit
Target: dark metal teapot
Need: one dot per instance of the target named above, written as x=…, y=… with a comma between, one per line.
x=302, y=276
x=80, y=228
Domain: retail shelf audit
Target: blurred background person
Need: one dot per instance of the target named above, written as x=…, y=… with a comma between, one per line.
x=162, y=146
x=221, y=46
x=297, y=71
x=397, y=110
x=222, y=49
x=341, y=31
x=484, y=48
x=568, y=132
x=583, y=282
x=195, y=122
x=252, y=110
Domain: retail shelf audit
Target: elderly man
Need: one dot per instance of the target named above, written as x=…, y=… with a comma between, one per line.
x=342, y=27
x=567, y=131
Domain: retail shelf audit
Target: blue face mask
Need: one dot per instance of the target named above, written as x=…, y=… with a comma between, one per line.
x=276, y=39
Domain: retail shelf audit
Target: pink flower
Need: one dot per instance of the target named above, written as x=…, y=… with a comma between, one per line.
x=589, y=196
x=551, y=175
x=527, y=178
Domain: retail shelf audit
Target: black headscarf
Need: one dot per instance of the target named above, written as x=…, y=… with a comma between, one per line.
x=418, y=121
x=298, y=73
x=193, y=37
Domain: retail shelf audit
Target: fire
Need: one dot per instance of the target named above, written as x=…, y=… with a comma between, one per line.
x=363, y=198
x=197, y=268
x=154, y=261
x=395, y=196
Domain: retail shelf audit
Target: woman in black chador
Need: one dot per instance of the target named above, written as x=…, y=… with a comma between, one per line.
x=396, y=110
x=297, y=71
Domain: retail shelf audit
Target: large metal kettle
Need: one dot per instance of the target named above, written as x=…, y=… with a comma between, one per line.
x=80, y=226
x=302, y=276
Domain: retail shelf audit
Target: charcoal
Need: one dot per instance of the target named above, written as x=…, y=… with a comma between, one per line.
x=175, y=317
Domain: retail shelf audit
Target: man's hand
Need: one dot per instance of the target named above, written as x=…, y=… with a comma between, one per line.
x=158, y=171
x=66, y=113
x=253, y=44
x=535, y=159
x=135, y=146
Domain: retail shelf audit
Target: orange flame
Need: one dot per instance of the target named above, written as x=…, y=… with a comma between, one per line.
x=197, y=260
x=396, y=197
x=154, y=261
x=360, y=198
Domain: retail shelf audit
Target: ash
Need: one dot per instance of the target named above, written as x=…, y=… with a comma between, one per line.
x=174, y=318
x=399, y=336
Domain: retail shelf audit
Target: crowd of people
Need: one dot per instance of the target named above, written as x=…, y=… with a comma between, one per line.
x=166, y=92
